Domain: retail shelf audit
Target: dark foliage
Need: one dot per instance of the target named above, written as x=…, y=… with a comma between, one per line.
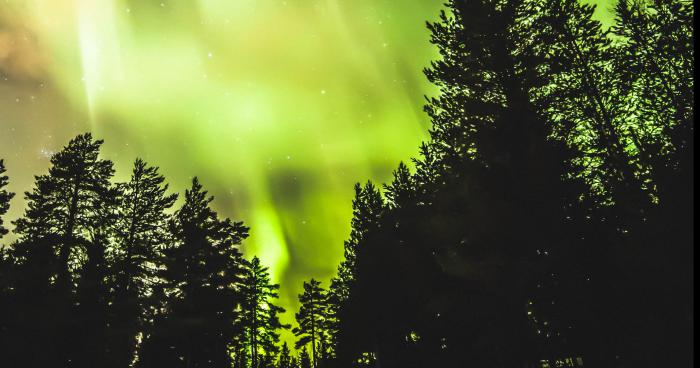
x=202, y=267
x=548, y=221
x=259, y=315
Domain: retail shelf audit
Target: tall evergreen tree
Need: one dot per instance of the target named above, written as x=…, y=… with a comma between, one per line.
x=490, y=166
x=202, y=270
x=64, y=211
x=368, y=206
x=62, y=202
x=312, y=320
x=259, y=316
x=141, y=231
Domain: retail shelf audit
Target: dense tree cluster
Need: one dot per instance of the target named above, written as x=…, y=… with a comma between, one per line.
x=103, y=274
x=547, y=222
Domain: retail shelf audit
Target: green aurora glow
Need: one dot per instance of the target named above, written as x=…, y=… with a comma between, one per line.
x=278, y=106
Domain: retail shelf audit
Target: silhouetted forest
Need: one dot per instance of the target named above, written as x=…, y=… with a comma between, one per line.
x=546, y=223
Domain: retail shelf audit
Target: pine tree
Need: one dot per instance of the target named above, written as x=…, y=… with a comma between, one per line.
x=259, y=315
x=5, y=197
x=56, y=238
x=490, y=166
x=202, y=271
x=311, y=320
x=401, y=192
x=368, y=206
x=62, y=203
x=140, y=232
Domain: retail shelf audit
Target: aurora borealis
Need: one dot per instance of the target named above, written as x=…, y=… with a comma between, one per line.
x=278, y=106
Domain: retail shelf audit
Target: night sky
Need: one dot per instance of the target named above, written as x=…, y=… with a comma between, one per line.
x=279, y=106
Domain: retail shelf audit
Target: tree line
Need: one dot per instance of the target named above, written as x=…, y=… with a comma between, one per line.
x=546, y=222
x=103, y=274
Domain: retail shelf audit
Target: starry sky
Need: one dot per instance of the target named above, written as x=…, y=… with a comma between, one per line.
x=278, y=106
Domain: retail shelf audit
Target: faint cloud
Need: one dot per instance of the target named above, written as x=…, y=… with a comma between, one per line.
x=20, y=56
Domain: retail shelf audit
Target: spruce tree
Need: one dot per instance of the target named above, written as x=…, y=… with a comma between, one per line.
x=491, y=165
x=311, y=320
x=368, y=207
x=259, y=316
x=202, y=270
x=63, y=202
x=141, y=231
x=58, y=236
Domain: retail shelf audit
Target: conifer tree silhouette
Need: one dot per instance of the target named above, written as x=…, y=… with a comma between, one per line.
x=140, y=233
x=63, y=213
x=489, y=166
x=367, y=209
x=311, y=320
x=259, y=316
x=202, y=268
x=62, y=201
